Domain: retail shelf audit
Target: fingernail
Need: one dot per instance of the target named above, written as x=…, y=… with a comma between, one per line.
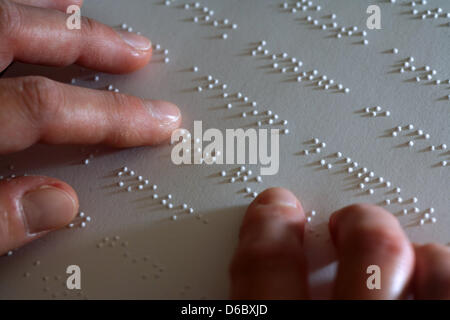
x=163, y=111
x=47, y=208
x=136, y=41
x=277, y=197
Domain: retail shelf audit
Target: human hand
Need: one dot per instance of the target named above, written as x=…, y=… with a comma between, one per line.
x=269, y=262
x=37, y=109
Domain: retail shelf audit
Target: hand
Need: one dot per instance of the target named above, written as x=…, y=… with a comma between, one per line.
x=270, y=263
x=36, y=109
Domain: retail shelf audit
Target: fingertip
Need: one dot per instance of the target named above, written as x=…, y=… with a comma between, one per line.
x=138, y=51
x=271, y=206
x=277, y=196
x=167, y=117
x=348, y=216
x=71, y=193
x=33, y=206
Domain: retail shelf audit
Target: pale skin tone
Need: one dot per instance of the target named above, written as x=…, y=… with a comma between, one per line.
x=269, y=262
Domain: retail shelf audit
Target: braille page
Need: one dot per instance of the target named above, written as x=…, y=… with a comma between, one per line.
x=363, y=116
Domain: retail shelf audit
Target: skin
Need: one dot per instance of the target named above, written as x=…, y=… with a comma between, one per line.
x=269, y=262
x=36, y=109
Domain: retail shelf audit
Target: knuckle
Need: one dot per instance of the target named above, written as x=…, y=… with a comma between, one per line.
x=41, y=97
x=434, y=248
x=265, y=255
x=10, y=18
x=378, y=239
x=360, y=208
x=88, y=26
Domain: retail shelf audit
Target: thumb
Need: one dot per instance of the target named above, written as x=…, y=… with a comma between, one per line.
x=32, y=206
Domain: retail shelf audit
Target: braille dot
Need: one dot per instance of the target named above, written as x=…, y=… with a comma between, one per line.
x=224, y=36
x=370, y=191
x=411, y=143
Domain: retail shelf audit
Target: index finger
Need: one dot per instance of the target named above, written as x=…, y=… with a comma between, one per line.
x=41, y=36
x=37, y=109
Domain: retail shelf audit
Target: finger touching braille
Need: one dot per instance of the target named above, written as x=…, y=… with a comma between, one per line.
x=41, y=36
x=31, y=207
x=375, y=257
x=269, y=262
x=37, y=109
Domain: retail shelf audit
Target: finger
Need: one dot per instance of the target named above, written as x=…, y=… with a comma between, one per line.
x=432, y=272
x=367, y=235
x=31, y=207
x=269, y=262
x=41, y=36
x=36, y=109
x=60, y=5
